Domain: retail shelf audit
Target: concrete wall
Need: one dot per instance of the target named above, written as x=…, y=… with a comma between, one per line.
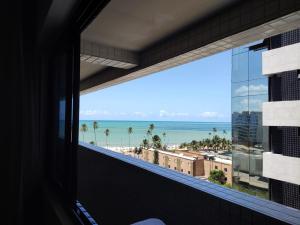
x=280, y=167
x=281, y=113
x=282, y=59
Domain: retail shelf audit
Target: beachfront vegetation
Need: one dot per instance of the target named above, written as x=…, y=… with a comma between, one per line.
x=217, y=176
x=156, y=142
x=83, y=129
x=130, y=130
x=106, y=132
x=145, y=144
x=95, y=127
x=215, y=143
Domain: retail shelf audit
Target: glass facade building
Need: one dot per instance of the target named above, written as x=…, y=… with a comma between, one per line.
x=249, y=89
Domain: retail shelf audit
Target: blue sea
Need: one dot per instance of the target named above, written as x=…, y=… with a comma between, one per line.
x=177, y=132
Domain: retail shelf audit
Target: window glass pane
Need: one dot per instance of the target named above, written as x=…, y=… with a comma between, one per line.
x=240, y=67
x=255, y=64
x=258, y=87
x=240, y=165
x=240, y=110
x=239, y=89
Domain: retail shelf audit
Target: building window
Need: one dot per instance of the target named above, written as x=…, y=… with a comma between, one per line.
x=216, y=167
x=225, y=169
x=175, y=168
x=189, y=172
x=169, y=166
x=181, y=170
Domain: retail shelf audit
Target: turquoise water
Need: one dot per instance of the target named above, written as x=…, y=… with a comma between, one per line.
x=176, y=132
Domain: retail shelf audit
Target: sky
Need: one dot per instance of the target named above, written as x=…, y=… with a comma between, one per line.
x=196, y=91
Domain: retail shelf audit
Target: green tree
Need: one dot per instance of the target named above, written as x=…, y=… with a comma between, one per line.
x=130, y=130
x=145, y=143
x=217, y=176
x=194, y=145
x=151, y=127
x=224, y=132
x=214, y=130
x=83, y=129
x=95, y=127
x=106, y=132
x=164, y=136
x=156, y=142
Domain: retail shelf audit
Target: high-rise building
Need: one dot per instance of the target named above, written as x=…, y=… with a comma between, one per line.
x=282, y=115
x=266, y=118
x=249, y=138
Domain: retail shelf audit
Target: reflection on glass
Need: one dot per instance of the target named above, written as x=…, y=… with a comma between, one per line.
x=258, y=87
x=239, y=89
x=249, y=138
x=255, y=64
x=240, y=67
x=239, y=105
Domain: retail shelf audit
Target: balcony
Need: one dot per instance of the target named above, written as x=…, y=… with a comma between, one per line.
x=280, y=167
x=281, y=59
x=281, y=113
x=119, y=189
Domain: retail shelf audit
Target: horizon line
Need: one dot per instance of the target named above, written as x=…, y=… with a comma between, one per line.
x=156, y=121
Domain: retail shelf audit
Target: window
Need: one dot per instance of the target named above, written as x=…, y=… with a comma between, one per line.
x=169, y=166
x=225, y=169
x=181, y=170
x=189, y=172
x=175, y=168
x=216, y=167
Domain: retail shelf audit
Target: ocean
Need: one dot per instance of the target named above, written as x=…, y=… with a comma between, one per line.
x=177, y=132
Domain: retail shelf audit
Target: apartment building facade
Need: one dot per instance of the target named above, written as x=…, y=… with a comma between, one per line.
x=281, y=64
x=191, y=165
x=219, y=164
x=266, y=117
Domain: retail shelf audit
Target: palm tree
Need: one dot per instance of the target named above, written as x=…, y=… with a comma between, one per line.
x=194, y=145
x=106, y=132
x=148, y=135
x=145, y=143
x=130, y=130
x=224, y=132
x=156, y=142
x=215, y=130
x=164, y=136
x=151, y=127
x=95, y=126
x=83, y=129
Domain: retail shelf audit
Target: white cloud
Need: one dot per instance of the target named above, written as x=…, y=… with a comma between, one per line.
x=164, y=113
x=210, y=115
x=140, y=114
x=253, y=90
x=94, y=113
x=258, y=89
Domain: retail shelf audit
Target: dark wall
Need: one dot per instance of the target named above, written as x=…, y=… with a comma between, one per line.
x=28, y=97
x=118, y=193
